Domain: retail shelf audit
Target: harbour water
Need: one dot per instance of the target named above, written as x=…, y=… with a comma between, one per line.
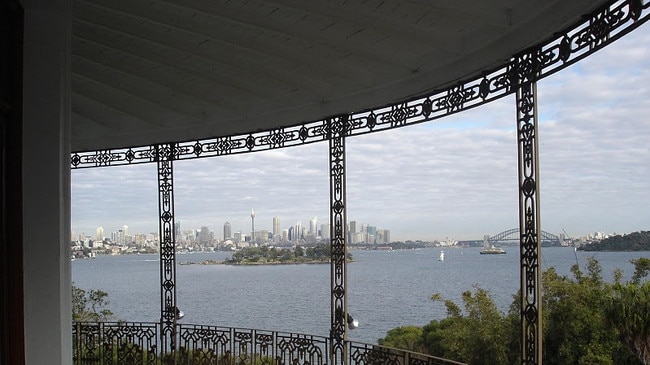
x=386, y=289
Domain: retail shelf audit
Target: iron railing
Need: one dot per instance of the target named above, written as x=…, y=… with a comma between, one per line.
x=138, y=343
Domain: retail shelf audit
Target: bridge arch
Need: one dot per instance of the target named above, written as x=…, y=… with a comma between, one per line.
x=513, y=235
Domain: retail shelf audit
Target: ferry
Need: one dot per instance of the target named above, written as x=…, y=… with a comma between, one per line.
x=492, y=250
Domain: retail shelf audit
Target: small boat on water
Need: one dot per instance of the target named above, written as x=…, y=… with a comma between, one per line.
x=491, y=250
x=442, y=256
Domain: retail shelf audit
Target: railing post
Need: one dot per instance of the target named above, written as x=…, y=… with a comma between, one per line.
x=527, y=67
x=168, y=307
x=339, y=310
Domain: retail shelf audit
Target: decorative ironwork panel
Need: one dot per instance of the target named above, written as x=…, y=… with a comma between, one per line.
x=115, y=343
x=116, y=157
x=130, y=343
x=261, y=141
x=168, y=308
x=529, y=224
x=87, y=343
x=204, y=345
x=217, y=345
x=253, y=346
x=366, y=354
x=594, y=32
x=301, y=349
x=338, y=331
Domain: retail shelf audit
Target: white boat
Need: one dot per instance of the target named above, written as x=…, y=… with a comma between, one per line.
x=492, y=250
x=442, y=256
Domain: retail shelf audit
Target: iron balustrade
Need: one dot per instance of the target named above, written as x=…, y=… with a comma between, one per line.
x=131, y=343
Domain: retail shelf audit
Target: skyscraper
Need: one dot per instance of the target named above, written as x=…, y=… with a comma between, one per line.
x=177, y=230
x=325, y=231
x=276, y=227
x=353, y=226
x=100, y=234
x=352, y=230
x=204, y=234
x=313, y=227
x=227, y=231
x=297, y=232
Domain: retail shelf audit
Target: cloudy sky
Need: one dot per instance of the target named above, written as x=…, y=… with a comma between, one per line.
x=455, y=177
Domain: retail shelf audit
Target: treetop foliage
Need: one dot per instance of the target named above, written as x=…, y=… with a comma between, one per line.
x=585, y=321
x=90, y=306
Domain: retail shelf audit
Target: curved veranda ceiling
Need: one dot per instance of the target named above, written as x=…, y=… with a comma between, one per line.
x=146, y=72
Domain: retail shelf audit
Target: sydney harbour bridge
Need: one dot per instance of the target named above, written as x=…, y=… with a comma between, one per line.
x=512, y=237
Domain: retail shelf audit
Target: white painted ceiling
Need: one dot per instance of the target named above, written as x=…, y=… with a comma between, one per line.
x=151, y=71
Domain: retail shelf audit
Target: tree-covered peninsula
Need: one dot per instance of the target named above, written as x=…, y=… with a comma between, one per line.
x=636, y=241
x=266, y=255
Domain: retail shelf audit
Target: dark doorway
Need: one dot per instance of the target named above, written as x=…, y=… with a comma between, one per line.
x=12, y=346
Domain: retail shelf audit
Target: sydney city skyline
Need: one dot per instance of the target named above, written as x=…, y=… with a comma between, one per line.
x=452, y=177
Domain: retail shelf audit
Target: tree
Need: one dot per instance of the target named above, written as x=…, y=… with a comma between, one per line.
x=299, y=251
x=575, y=329
x=477, y=335
x=90, y=306
x=578, y=326
x=641, y=269
x=628, y=311
x=407, y=338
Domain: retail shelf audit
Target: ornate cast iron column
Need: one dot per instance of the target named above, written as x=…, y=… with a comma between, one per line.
x=529, y=216
x=339, y=310
x=165, y=159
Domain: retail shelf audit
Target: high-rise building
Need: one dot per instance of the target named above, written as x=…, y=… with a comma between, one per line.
x=353, y=226
x=177, y=230
x=118, y=236
x=262, y=236
x=313, y=227
x=325, y=231
x=383, y=236
x=100, y=234
x=126, y=230
x=352, y=231
x=297, y=231
x=204, y=235
x=276, y=226
x=227, y=231
x=371, y=236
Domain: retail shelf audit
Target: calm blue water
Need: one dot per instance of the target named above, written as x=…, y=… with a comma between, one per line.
x=386, y=289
